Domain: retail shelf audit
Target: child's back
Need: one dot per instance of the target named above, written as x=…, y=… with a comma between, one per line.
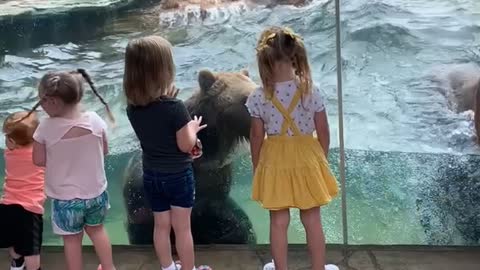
x=290, y=166
x=292, y=161
x=71, y=144
x=155, y=126
x=167, y=135
x=75, y=164
x=21, y=206
x=302, y=113
x=24, y=182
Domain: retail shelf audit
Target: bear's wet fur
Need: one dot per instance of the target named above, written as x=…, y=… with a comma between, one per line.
x=180, y=4
x=216, y=218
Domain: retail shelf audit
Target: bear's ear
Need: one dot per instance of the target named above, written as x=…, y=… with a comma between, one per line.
x=244, y=71
x=206, y=79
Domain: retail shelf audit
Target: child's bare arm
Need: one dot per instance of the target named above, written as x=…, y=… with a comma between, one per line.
x=257, y=135
x=39, y=155
x=186, y=137
x=105, y=143
x=323, y=130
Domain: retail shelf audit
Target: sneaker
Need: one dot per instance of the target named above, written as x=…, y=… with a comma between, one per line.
x=269, y=266
x=178, y=265
x=331, y=267
x=13, y=266
x=22, y=267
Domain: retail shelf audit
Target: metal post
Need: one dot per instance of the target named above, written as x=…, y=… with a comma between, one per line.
x=340, y=122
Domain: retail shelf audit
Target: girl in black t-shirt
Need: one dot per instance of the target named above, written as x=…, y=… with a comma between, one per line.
x=167, y=136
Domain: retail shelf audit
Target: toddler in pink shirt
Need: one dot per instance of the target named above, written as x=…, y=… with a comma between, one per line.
x=21, y=205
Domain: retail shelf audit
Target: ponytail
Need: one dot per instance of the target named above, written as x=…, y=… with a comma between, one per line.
x=87, y=78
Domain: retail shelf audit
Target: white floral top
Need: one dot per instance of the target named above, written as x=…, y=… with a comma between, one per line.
x=260, y=107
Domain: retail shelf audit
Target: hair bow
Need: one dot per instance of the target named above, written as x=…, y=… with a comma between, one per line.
x=289, y=32
x=264, y=42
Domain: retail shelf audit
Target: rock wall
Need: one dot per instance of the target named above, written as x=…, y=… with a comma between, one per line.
x=29, y=23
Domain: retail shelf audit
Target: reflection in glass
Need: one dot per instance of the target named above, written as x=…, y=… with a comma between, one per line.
x=408, y=179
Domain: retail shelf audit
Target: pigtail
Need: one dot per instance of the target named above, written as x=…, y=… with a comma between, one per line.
x=295, y=48
x=87, y=78
x=32, y=110
x=265, y=59
x=50, y=83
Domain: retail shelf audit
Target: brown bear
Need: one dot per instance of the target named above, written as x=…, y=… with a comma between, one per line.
x=216, y=218
x=463, y=91
x=204, y=4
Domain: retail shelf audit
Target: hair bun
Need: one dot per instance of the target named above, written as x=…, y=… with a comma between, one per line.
x=289, y=40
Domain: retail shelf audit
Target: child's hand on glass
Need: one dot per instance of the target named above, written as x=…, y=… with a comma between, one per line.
x=195, y=124
x=172, y=92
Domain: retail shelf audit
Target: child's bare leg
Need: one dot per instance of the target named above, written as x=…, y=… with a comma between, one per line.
x=102, y=245
x=73, y=251
x=183, y=236
x=161, y=238
x=279, y=221
x=32, y=262
x=17, y=259
x=315, y=238
x=13, y=254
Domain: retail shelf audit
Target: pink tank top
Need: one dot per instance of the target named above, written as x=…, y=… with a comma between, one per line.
x=23, y=180
x=75, y=166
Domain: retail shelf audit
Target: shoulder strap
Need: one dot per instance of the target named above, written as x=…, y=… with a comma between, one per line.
x=288, y=121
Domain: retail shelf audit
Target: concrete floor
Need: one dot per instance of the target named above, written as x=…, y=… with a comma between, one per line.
x=244, y=258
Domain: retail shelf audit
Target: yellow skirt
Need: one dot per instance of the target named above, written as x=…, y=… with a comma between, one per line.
x=293, y=172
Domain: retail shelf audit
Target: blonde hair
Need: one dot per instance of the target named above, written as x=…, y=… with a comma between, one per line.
x=20, y=126
x=149, y=70
x=282, y=44
x=67, y=86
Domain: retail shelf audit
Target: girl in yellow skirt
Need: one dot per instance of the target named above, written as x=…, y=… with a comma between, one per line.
x=290, y=165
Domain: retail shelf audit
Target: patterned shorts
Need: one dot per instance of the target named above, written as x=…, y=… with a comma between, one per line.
x=71, y=216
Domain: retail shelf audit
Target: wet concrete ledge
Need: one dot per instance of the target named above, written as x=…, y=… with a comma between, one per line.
x=225, y=257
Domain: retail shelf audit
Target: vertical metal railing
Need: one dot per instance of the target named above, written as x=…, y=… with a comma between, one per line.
x=340, y=122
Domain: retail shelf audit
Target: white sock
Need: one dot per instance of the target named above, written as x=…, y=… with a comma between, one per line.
x=171, y=267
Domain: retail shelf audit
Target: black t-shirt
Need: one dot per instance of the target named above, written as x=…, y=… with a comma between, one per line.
x=156, y=126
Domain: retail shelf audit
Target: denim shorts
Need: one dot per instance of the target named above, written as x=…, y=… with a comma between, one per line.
x=164, y=190
x=71, y=216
